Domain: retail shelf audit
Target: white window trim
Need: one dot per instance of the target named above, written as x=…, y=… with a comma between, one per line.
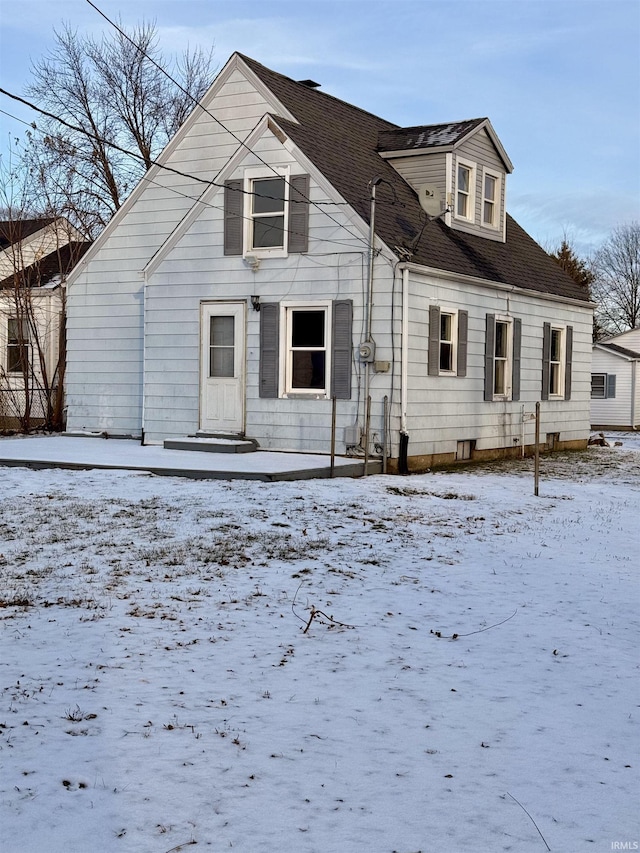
x=558, y=395
x=495, y=226
x=453, y=313
x=286, y=362
x=255, y=173
x=508, y=366
x=472, y=190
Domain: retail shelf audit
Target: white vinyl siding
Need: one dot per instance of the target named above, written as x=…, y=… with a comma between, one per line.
x=621, y=411
x=104, y=384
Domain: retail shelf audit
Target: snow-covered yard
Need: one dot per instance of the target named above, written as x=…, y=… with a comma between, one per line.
x=430, y=663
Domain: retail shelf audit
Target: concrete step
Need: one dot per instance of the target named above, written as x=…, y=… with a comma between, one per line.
x=213, y=444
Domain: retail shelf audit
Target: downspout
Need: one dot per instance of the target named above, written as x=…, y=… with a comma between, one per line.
x=634, y=366
x=144, y=355
x=403, y=467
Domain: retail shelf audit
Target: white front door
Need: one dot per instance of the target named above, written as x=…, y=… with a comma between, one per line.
x=222, y=367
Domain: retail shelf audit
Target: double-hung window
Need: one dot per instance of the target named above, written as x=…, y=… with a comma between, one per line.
x=307, y=347
x=502, y=358
x=268, y=202
x=465, y=190
x=491, y=199
x=447, y=341
x=266, y=214
x=603, y=386
x=17, y=345
x=557, y=347
x=556, y=363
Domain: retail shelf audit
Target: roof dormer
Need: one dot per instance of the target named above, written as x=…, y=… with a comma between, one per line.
x=457, y=169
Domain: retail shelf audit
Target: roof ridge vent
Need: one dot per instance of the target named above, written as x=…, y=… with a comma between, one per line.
x=310, y=84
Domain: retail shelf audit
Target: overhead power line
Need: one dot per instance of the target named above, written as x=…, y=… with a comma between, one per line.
x=209, y=113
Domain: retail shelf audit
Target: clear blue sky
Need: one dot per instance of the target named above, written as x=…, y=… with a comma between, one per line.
x=559, y=79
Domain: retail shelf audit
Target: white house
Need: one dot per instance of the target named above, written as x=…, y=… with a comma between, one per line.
x=235, y=291
x=615, y=382
x=35, y=257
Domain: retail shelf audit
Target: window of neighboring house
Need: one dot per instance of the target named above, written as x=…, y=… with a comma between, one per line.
x=491, y=199
x=465, y=185
x=502, y=358
x=447, y=341
x=17, y=345
x=603, y=386
x=306, y=342
x=557, y=348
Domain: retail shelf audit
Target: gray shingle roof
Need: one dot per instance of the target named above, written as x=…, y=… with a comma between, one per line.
x=630, y=353
x=13, y=231
x=427, y=136
x=54, y=266
x=342, y=141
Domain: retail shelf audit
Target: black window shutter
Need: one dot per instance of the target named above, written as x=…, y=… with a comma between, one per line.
x=341, y=349
x=546, y=357
x=233, y=221
x=489, y=352
x=568, y=357
x=299, y=214
x=610, y=387
x=517, y=347
x=269, y=349
x=463, y=326
x=433, y=366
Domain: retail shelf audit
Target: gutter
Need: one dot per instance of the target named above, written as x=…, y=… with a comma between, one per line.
x=404, y=351
x=494, y=285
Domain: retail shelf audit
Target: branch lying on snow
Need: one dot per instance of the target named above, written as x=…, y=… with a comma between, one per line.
x=316, y=614
x=456, y=636
x=532, y=821
x=180, y=846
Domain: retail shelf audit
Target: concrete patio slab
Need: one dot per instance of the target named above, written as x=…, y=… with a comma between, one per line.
x=61, y=451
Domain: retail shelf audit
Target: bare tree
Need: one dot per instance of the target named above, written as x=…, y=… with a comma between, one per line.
x=37, y=250
x=116, y=91
x=616, y=282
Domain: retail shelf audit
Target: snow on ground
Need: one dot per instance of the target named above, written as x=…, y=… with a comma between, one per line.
x=430, y=663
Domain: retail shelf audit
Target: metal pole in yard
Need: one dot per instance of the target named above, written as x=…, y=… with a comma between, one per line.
x=536, y=467
x=333, y=437
x=366, y=437
x=385, y=433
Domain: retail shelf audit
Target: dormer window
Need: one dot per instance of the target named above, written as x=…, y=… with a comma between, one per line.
x=491, y=199
x=465, y=183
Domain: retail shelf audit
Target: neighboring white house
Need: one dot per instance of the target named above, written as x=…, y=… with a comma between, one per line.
x=35, y=257
x=234, y=292
x=615, y=382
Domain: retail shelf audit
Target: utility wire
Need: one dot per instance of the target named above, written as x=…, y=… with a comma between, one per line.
x=207, y=111
x=147, y=179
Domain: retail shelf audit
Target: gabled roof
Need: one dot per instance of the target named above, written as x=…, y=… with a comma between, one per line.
x=54, y=266
x=616, y=348
x=342, y=141
x=13, y=231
